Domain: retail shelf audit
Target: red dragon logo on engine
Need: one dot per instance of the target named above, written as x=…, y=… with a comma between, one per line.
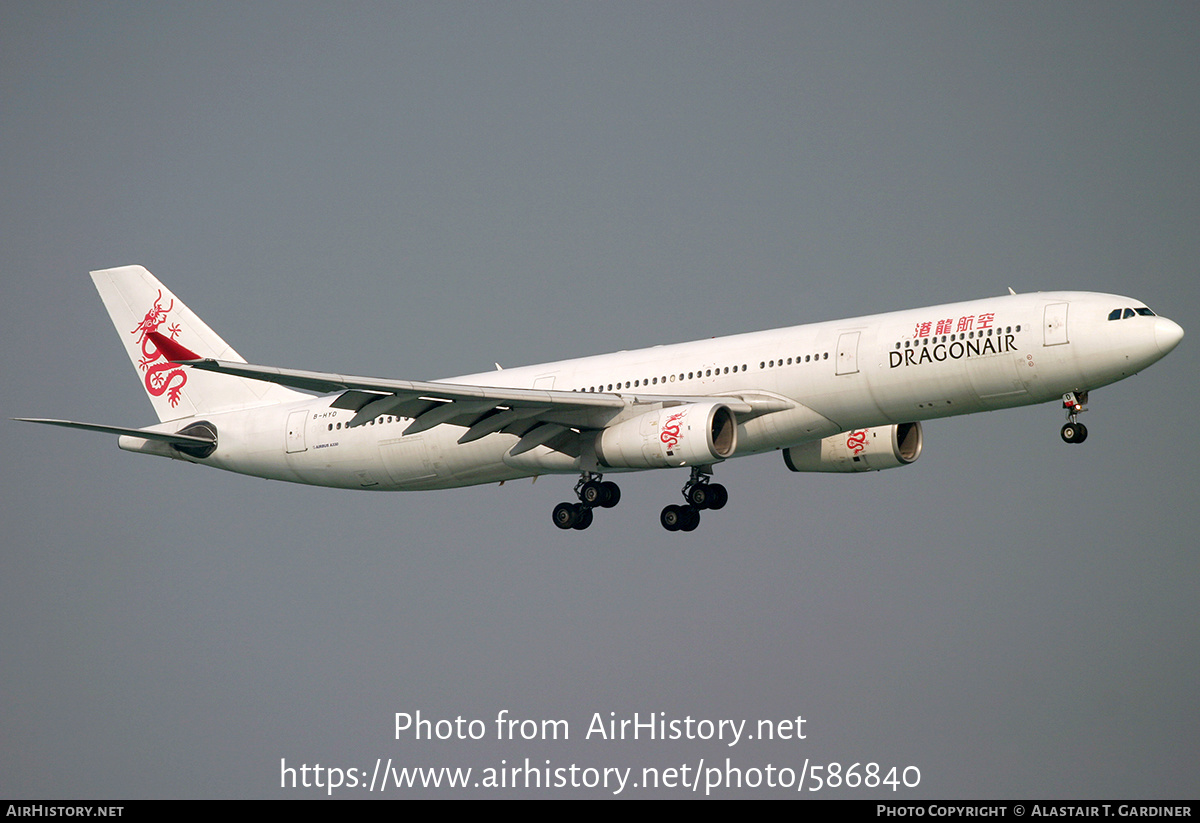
x=856, y=441
x=161, y=377
x=670, y=430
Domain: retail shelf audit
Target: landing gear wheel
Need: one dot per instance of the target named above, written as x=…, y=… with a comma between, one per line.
x=612, y=494
x=585, y=518
x=672, y=518
x=700, y=496
x=1074, y=433
x=566, y=515
x=680, y=518
x=700, y=493
x=691, y=519
x=592, y=493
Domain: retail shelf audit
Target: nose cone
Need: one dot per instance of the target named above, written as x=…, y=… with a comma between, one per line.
x=1167, y=334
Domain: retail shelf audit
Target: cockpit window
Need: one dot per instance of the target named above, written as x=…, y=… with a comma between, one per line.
x=1125, y=314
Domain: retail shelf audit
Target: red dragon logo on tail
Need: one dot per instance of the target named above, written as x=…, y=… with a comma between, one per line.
x=161, y=377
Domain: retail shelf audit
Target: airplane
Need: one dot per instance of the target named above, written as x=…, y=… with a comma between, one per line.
x=839, y=396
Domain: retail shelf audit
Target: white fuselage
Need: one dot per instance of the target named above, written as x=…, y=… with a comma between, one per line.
x=878, y=370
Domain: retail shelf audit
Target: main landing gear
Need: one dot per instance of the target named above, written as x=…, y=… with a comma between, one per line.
x=592, y=491
x=1075, y=403
x=699, y=494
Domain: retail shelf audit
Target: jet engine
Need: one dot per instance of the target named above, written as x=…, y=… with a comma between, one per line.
x=859, y=450
x=686, y=435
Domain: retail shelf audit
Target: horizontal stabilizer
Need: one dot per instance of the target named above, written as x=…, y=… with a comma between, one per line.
x=164, y=437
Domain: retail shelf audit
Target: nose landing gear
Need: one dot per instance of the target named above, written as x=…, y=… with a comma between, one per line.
x=1073, y=431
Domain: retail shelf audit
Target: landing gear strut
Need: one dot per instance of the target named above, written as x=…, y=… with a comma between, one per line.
x=1074, y=431
x=592, y=491
x=699, y=493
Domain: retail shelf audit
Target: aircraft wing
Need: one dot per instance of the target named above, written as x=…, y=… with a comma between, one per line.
x=538, y=416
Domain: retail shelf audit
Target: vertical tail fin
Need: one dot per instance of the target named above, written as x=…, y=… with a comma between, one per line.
x=139, y=304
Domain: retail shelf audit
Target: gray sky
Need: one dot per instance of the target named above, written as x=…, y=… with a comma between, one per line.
x=418, y=190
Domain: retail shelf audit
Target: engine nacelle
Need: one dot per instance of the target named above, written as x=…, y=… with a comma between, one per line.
x=695, y=434
x=860, y=450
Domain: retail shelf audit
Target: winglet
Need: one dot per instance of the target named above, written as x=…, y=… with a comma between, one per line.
x=173, y=351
